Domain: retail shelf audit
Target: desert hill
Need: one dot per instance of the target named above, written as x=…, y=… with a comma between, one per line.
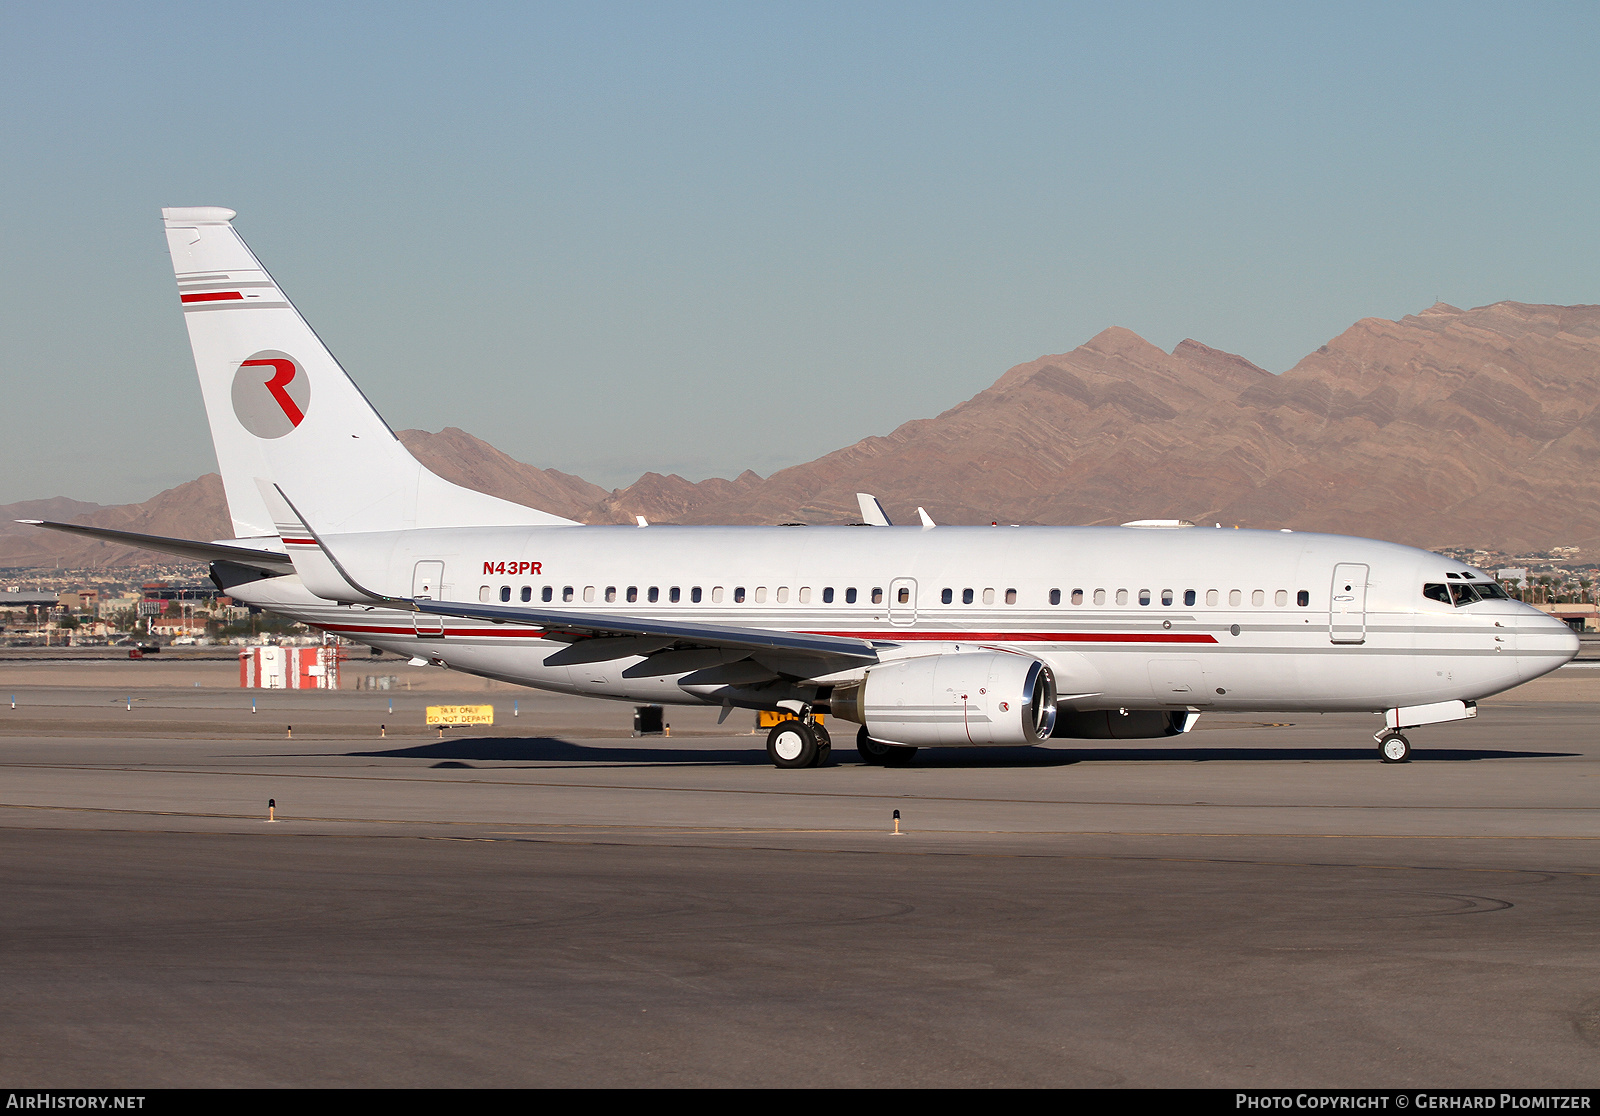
x=1448, y=427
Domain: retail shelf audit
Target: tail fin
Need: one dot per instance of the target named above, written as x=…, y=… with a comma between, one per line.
x=280, y=407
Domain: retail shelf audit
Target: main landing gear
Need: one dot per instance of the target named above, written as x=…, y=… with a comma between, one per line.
x=877, y=753
x=799, y=743
x=1394, y=748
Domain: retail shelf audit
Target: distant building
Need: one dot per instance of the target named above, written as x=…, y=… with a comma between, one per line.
x=1514, y=573
x=79, y=598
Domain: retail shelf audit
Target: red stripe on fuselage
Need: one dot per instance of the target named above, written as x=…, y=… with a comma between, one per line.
x=1031, y=637
x=898, y=637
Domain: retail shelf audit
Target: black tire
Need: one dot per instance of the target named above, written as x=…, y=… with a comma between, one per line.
x=899, y=756
x=872, y=751
x=791, y=743
x=1394, y=748
x=824, y=744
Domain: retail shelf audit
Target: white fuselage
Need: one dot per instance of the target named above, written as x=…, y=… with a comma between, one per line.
x=1192, y=618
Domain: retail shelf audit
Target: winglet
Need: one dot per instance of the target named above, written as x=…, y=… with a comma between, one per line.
x=927, y=520
x=872, y=511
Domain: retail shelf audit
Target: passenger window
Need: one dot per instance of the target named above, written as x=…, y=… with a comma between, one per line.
x=904, y=596
x=1099, y=596
x=1011, y=596
x=966, y=596
x=1144, y=596
x=526, y=594
x=1235, y=598
x=547, y=594
x=694, y=595
x=1281, y=598
x=988, y=596
x=1055, y=596
x=877, y=594
x=1122, y=596
x=761, y=594
x=1189, y=597
x=1077, y=596
x=485, y=594
x=850, y=595
x=611, y=594
x=505, y=592
x=805, y=594
x=1166, y=597
x=783, y=594
x=1211, y=597
x=716, y=594
x=946, y=596
x=588, y=594
x=633, y=594
x=1258, y=598
x=738, y=594
x=566, y=593
x=827, y=595
x=654, y=595
x=1303, y=598
x=674, y=595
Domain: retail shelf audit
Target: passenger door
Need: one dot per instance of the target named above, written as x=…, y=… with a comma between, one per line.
x=1347, y=604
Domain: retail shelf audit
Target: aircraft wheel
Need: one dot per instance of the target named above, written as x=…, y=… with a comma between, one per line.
x=792, y=743
x=1394, y=748
x=899, y=756
x=872, y=751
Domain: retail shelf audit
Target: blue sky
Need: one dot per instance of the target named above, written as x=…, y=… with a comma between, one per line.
x=699, y=238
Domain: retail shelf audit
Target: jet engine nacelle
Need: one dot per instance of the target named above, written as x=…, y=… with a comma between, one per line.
x=981, y=697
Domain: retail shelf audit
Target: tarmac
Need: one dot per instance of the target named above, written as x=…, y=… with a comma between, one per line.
x=552, y=902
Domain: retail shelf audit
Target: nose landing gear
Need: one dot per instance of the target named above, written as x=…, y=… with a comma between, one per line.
x=1394, y=748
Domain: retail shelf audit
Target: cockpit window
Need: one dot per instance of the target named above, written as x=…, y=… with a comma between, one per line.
x=1461, y=593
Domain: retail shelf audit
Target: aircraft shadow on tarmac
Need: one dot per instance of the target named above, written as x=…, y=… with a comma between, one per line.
x=547, y=749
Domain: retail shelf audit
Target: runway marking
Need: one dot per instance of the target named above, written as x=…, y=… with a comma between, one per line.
x=852, y=795
x=519, y=828
x=895, y=850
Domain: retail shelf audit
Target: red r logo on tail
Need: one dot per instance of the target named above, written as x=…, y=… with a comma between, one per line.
x=270, y=406
x=286, y=371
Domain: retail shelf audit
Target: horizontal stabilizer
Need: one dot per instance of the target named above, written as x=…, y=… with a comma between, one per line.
x=269, y=560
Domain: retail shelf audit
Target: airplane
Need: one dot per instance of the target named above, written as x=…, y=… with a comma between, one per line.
x=923, y=636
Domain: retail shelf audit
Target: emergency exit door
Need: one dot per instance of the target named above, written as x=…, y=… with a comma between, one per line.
x=903, y=601
x=425, y=583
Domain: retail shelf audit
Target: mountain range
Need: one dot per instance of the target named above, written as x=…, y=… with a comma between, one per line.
x=1446, y=428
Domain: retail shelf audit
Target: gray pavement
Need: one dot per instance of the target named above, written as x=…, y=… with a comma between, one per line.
x=550, y=902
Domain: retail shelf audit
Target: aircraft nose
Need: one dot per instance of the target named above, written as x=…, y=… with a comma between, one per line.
x=1543, y=644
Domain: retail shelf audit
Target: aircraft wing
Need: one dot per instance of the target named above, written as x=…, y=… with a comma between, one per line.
x=597, y=638
x=593, y=637
x=184, y=548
